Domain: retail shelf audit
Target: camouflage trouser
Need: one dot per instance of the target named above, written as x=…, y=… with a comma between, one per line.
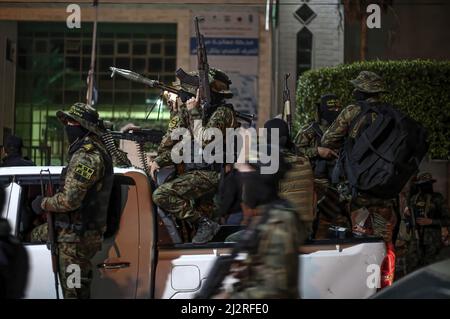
x=381, y=221
x=78, y=254
x=178, y=196
x=430, y=250
x=330, y=211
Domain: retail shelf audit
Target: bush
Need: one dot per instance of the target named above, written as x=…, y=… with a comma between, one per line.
x=419, y=88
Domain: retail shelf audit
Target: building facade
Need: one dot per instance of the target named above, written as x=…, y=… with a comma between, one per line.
x=48, y=61
x=309, y=35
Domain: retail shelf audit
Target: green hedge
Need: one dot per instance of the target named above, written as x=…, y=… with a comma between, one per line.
x=420, y=88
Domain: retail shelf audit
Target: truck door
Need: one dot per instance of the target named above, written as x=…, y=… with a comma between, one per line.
x=41, y=282
x=123, y=267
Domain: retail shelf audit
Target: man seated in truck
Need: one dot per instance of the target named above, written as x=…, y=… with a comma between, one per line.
x=178, y=197
x=13, y=153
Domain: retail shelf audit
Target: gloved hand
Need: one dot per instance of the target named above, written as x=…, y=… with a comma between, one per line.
x=36, y=205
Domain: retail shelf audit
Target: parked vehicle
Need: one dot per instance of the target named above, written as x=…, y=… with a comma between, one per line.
x=140, y=258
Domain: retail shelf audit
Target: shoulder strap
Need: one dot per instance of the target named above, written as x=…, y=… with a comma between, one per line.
x=316, y=128
x=366, y=108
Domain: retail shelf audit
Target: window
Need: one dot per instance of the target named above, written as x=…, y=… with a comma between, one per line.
x=304, y=50
x=53, y=63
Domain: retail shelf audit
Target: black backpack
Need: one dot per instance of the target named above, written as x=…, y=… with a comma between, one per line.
x=385, y=153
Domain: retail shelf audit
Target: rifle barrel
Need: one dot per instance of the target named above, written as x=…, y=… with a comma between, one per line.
x=136, y=77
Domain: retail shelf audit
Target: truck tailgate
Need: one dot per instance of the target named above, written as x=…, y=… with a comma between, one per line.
x=341, y=272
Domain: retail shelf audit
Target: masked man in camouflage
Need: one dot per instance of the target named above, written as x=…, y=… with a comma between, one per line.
x=80, y=206
x=308, y=137
x=381, y=219
x=178, y=196
x=330, y=210
x=431, y=214
x=297, y=186
x=271, y=240
x=179, y=118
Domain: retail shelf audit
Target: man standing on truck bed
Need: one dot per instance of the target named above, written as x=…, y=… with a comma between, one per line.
x=271, y=241
x=378, y=213
x=330, y=210
x=80, y=206
x=297, y=186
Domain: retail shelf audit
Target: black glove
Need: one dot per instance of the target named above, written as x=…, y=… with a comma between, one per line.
x=36, y=205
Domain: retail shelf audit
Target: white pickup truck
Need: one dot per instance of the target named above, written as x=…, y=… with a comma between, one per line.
x=140, y=260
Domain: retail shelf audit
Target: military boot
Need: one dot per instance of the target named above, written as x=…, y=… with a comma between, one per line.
x=206, y=230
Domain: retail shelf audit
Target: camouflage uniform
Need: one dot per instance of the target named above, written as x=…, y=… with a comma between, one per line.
x=179, y=196
x=271, y=269
x=297, y=187
x=178, y=119
x=84, y=182
x=382, y=220
x=330, y=211
x=307, y=139
x=426, y=205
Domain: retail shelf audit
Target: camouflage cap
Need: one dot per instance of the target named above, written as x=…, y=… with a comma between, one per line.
x=187, y=87
x=84, y=114
x=218, y=80
x=425, y=178
x=368, y=82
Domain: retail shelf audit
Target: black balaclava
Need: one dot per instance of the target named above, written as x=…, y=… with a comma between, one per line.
x=362, y=96
x=426, y=188
x=217, y=99
x=283, y=132
x=75, y=132
x=260, y=189
x=327, y=108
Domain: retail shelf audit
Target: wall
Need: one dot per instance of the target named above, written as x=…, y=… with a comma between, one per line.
x=418, y=29
x=158, y=12
x=8, y=32
x=328, y=40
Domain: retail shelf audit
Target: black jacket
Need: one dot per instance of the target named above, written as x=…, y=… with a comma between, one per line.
x=15, y=160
